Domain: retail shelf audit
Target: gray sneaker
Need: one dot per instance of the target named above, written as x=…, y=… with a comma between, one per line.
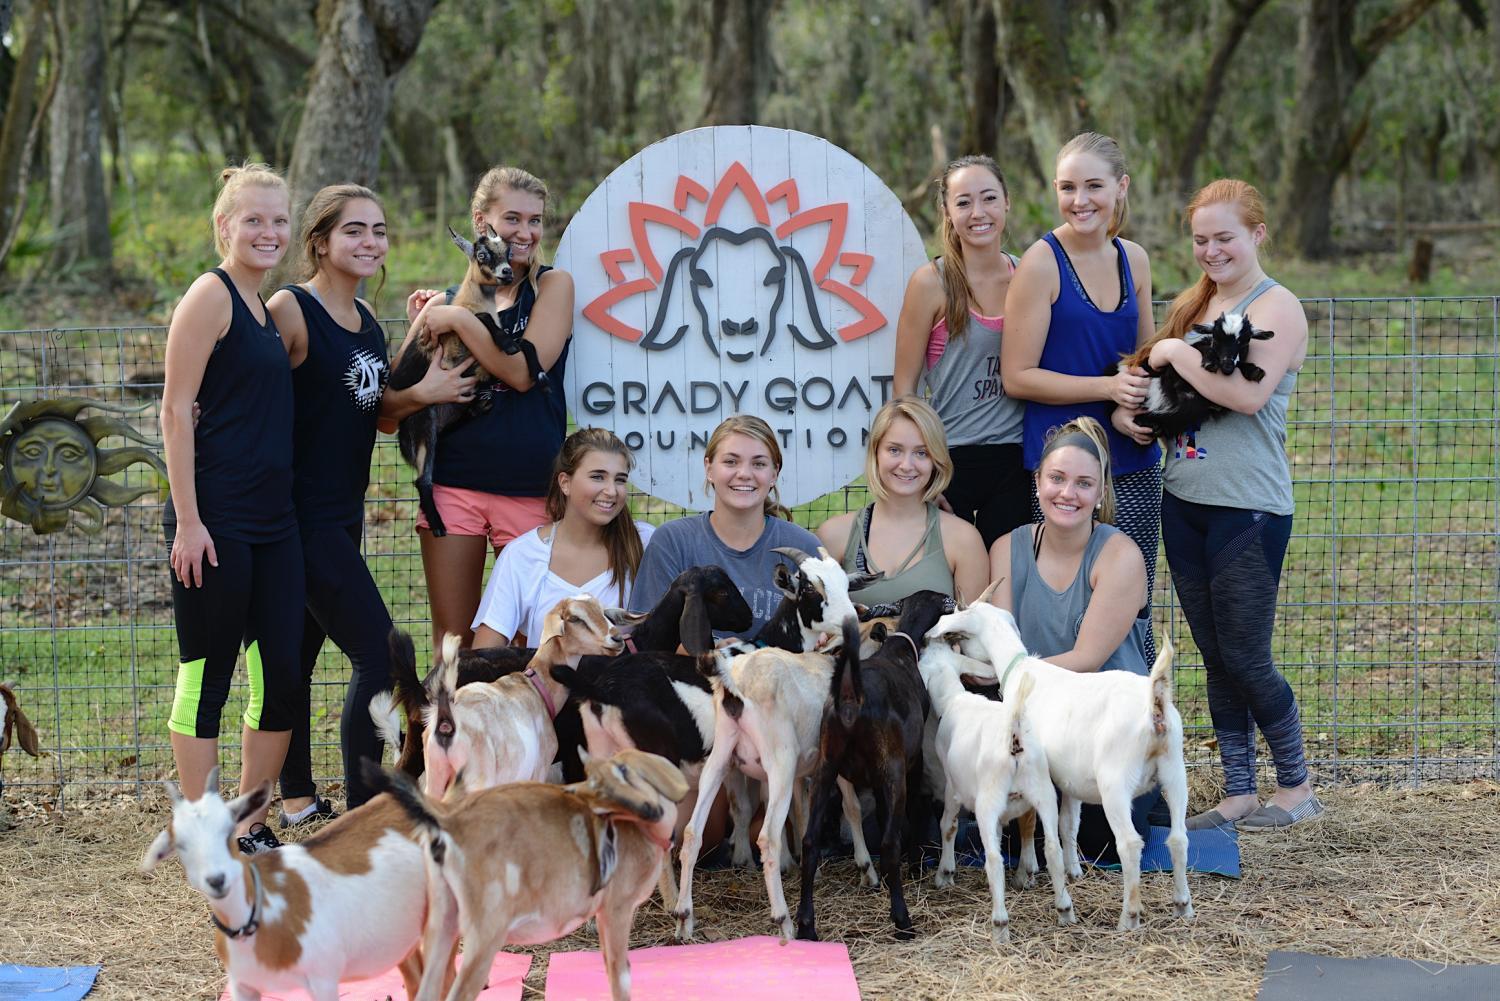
x=1274, y=818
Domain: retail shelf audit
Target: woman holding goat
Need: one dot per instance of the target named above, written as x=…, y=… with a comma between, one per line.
x=486, y=500
x=1227, y=512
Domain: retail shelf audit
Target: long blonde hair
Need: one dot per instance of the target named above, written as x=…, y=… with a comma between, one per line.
x=957, y=292
x=1108, y=150
x=752, y=427
x=234, y=180
x=487, y=192
x=1083, y=432
x=929, y=425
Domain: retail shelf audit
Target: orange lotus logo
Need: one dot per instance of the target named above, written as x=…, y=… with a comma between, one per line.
x=716, y=253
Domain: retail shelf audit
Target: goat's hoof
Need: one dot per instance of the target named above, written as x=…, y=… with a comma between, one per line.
x=1066, y=916
x=1183, y=909
x=783, y=926
x=1000, y=931
x=942, y=879
x=807, y=933
x=684, y=925
x=1075, y=873
x=905, y=934
x=1023, y=880
x=1130, y=921
x=868, y=876
x=742, y=859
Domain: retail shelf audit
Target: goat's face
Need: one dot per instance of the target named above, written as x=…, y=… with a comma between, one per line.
x=489, y=255
x=820, y=589
x=201, y=835
x=963, y=631
x=710, y=600
x=581, y=627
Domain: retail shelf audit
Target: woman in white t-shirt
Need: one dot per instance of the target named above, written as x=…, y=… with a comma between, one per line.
x=589, y=545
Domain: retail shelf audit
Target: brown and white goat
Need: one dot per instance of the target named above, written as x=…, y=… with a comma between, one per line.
x=528, y=863
x=503, y=731
x=14, y=724
x=349, y=902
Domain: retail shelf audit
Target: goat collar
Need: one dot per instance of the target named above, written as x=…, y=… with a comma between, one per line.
x=1009, y=668
x=630, y=644
x=541, y=689
x=252, y=924
x=915, y=653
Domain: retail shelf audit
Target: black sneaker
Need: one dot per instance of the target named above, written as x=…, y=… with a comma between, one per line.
x=321, y=810
x=258, y=840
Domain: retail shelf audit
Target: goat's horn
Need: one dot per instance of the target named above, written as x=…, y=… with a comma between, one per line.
x=461, y=243
x=987, y=592
x=792, y=553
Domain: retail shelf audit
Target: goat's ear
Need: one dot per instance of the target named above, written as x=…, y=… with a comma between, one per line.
x=252, y=803
x=174, y=794
x=26, y=733
x=878, y=632
x=785, y=581
x=623, y=617
x=161, y=849
x=860, y=581
x=461, y=243
x=695, y=632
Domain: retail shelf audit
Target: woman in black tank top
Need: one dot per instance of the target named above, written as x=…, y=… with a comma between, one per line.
x=229, y=519
x=491, y=470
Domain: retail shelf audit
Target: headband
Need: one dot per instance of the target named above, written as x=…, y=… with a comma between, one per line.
x=1076, y=439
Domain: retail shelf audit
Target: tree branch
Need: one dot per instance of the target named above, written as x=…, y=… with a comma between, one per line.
x=1387, y=30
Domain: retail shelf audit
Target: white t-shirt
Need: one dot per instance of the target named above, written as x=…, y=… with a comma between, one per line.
x=522, y=589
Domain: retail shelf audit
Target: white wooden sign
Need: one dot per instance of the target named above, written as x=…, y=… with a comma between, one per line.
x=737, y=269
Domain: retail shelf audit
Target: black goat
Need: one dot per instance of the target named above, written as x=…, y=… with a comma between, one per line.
x=489, y=266
x=1172, y=404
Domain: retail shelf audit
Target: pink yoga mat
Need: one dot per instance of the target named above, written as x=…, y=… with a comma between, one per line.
x=506, y=977
x=746, y=969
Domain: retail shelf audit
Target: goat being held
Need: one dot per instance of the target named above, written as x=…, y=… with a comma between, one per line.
x=489, y=266
x=1173, y=405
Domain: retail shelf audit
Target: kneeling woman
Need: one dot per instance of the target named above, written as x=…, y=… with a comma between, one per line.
x=1076, y=584
x=902, y=533
x=590, y=543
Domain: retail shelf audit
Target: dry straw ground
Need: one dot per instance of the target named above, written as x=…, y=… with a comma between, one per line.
x=1410, y=873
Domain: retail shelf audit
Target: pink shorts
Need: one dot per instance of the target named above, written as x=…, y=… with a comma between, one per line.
x=474, y=512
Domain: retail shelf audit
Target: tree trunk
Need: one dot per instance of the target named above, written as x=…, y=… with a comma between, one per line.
x=982, y=67
x=79, y=203
x=740, y=70
x=363, y=44
x=1242, y=12
x=1321, y=133
x=1034, y=47
x=23, y=124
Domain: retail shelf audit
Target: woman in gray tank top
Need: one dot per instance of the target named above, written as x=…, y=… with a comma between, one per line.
x=948, y=349
x=1227, y=509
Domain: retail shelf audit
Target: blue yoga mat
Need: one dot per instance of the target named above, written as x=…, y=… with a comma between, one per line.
x=55, y=983
x=1215, y=850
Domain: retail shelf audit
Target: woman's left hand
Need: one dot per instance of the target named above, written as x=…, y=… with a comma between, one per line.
x=417, y=300
x=1123, y=419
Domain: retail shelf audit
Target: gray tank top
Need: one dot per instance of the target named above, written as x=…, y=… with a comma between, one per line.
x=924, y=569
x=964, y=385
x=1237, y=460
x=1049, y=619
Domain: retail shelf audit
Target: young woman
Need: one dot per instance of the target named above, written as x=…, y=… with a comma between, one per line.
x=338, y=358
x=590, y=544
x=740, y=466
x=1227, y=513
x=948, y=343
x=229, y=520
x=1079, y=302
x=485, y=501
x=1077, y=585
x=902, y=532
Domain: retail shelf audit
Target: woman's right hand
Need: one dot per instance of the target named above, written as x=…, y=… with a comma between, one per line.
x=1128, y=388
x=445, y=385
x=190, y=547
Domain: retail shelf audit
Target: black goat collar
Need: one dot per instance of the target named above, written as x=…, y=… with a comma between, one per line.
x=252, y=924
x=915, y=653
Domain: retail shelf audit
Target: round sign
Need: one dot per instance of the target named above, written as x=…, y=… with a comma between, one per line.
x=737, y=269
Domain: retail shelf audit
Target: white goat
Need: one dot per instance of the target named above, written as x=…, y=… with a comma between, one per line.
x=347, y=903
x=1108, y=737
x=993, y=764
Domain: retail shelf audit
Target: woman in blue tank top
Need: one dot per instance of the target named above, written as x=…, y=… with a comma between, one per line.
x=229, y=520
x=1079, y=302
x=339, y=369
x=492, y=470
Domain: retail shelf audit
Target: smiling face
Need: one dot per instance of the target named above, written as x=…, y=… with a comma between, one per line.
x=516, y=217
x=741, y=472
x=357, y=245
x=1069, y=486
x=258, y=228
x=902, y=460
x=976, y=206
x=597, y=488
x=1087, y=192
x=1224, y=247
x=52, y=461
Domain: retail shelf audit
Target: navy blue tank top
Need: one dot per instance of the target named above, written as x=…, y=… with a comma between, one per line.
x=1083, y=339
x=337, y=391
x=509, y=451
x=242, y=445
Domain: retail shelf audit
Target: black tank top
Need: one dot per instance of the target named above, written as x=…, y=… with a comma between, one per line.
x=242, y=445
x=509, y=451
x=337, y=390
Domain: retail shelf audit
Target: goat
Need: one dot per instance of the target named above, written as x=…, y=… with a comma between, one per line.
x=1107, y=737
x=503, y=731
x=993, y=764
x=489, y=266
x=1173, y=405
x=14, y=722
x=872, y=739
x=347, y=903
x=528, y=863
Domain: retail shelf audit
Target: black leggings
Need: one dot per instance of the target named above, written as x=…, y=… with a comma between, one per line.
x=990, y=488
x=343, y=604
x=253, y=596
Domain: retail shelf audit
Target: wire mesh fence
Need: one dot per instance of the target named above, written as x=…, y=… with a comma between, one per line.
x=1387, y=628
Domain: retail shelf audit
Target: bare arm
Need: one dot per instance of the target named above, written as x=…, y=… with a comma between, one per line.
x=964, y=547
x=1000, y=569
x=485, y=637
x=1285, y=317
x=200, y=319
x=834, y=534
x=1119, y=582
x=548, y=329
x=919, y=311
x=291, y=324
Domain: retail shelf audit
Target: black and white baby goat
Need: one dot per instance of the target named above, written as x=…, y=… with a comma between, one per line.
x=1173, y=405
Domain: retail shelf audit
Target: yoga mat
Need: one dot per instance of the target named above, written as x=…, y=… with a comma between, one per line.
x=55, y=983
x=1214, y=850
x=506, y=977
x=1300, y=976
x=746, y=969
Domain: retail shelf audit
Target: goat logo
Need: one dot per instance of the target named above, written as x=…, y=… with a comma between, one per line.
x=365, y=378
x=726, y=270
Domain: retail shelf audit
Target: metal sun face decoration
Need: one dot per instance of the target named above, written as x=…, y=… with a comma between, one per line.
x=51, y=464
